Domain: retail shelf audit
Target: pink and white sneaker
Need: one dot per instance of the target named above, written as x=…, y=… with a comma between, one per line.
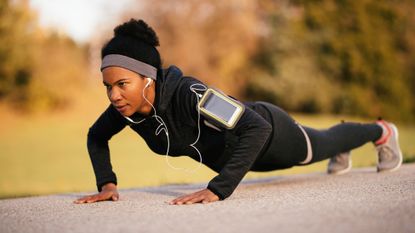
x=387, y=146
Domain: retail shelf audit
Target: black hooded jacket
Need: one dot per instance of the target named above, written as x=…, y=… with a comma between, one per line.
x=231, y=153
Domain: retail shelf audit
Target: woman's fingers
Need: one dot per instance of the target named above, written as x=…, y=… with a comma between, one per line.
x=203, y=196
x=94, y=198
x=102, y=196
x=186, y=199
x=82, y=199
x=180, y=200
x=115, y=196
x=90, y=199
x=196, y=199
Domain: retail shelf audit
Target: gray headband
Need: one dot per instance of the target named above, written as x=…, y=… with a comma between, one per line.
x=129, y=64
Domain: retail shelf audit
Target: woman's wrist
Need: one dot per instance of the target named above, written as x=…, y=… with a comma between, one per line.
x=109, y=186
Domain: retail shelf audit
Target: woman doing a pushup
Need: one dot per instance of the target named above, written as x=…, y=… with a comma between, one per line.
x=175, y=117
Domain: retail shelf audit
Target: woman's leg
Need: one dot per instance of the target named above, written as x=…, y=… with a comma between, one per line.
x=341, y=138
x=287, y=146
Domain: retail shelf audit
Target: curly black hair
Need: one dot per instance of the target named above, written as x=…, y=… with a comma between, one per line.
x=139, y=30
x=137, y=40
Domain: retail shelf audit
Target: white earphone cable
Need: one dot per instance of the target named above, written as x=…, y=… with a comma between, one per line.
x=163, y=126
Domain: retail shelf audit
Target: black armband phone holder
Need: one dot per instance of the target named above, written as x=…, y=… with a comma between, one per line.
x=220, y=109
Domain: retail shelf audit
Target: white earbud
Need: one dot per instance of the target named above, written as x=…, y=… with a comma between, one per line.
x=149, y=80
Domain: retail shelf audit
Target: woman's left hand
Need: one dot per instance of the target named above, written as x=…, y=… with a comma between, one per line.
x=204, y=196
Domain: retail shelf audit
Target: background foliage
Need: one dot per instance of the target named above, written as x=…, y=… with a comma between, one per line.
x=39, y=69
x=339, y=56
x=320, y=56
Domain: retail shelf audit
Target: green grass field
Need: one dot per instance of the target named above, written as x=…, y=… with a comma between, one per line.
x=47, y=154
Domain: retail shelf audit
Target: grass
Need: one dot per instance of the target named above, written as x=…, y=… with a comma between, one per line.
x=47, y=154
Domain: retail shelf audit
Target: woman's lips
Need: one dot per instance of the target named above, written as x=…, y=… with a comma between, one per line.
x=122, y=108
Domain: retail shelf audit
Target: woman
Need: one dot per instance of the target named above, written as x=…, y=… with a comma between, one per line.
x=162, y=107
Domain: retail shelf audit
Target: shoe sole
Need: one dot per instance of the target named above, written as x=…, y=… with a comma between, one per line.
x=341, y=172
x=399, y=153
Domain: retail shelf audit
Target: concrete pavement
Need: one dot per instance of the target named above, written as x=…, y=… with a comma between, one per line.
x=360, y=201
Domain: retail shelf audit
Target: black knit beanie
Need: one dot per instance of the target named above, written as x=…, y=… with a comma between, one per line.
x=135, y=39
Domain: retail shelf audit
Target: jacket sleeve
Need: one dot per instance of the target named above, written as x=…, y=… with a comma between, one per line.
x=252, y=132
x=108, y=124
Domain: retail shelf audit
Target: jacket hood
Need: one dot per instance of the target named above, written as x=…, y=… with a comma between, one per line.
x=166, y=85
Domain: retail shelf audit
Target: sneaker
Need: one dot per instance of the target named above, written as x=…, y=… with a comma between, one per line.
x=339, y=164
x=389, y=152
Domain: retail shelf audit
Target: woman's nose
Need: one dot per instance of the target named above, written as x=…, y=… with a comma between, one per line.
x=114, y=95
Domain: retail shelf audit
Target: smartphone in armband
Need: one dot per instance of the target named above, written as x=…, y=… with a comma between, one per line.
x=221, y=109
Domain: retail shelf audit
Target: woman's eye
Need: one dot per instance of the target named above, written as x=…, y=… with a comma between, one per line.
x=121, y=84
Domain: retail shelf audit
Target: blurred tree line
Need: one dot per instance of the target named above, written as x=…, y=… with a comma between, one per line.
x=315, y=56
x=339, y=56
x=39, y=69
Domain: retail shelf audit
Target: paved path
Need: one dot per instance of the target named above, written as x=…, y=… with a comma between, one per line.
x=361, y=201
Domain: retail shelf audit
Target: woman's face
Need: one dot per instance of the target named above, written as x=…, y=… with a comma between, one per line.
x=125, y=90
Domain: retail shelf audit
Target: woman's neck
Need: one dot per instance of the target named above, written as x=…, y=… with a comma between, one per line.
x=149, y=94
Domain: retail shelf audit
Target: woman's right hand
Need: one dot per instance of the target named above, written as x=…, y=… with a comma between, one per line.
x=108, y=192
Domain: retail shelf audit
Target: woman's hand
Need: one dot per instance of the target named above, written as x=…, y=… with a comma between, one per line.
x=108, y=192
x=204, y=196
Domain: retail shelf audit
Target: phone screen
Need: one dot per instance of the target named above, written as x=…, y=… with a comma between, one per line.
x=219, y=107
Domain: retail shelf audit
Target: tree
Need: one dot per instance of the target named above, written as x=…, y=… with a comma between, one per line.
x=213, y=40
x=39, y=68
x=16, y=29
x=358, y=52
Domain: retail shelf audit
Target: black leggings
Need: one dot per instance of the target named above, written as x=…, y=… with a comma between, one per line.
x=287, y=146
x=341, y=138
